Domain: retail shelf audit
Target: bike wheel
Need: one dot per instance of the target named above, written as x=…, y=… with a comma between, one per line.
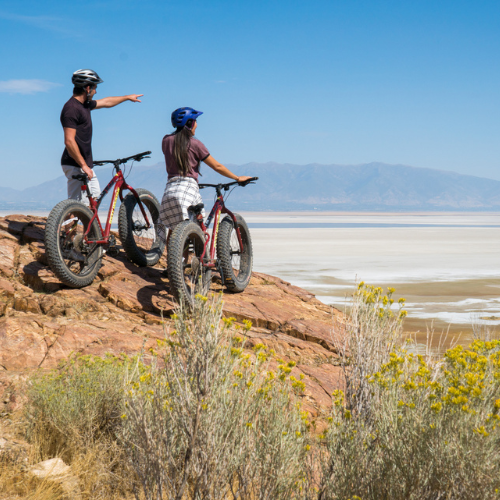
x=236, y=265
x=73, y=261
x=186, y=274
x=142, y=245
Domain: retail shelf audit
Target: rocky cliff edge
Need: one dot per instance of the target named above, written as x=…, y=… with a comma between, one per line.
x=42, y=322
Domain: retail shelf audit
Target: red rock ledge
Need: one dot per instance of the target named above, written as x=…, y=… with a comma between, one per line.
x=42, y=321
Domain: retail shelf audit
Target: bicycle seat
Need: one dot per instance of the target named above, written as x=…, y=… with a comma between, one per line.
x=196, y=209
x=80, y=177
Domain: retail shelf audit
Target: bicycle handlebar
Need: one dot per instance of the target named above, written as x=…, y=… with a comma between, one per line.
x=226, y=186
x=120, y=161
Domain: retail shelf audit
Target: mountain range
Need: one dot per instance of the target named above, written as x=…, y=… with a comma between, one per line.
x=286, y=187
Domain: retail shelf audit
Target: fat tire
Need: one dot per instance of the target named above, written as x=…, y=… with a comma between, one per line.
x=181, y=234
x=53, y=248
x=234, y=283
x=126, y=229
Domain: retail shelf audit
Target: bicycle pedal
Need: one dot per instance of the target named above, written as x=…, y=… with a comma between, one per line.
x=112, y=252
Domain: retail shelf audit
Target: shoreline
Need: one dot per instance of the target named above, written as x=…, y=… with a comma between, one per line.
x=449, y=273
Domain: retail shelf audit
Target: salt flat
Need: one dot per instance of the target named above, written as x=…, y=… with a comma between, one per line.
x=448, y=270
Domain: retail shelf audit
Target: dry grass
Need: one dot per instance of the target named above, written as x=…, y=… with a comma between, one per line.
x=93, y=470
x=74, y=413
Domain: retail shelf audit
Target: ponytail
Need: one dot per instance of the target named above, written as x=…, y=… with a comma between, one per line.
x=181, y=146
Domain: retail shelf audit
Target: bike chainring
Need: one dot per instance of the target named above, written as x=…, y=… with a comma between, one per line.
x=112, y=250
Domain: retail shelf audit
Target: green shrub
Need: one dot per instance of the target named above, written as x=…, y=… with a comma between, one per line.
x=77, y=404
x=209, y=421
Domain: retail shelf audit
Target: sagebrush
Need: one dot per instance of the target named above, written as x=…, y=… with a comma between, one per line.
x=209, y=421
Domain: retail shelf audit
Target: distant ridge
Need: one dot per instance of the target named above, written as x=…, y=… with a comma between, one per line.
x=286, y=187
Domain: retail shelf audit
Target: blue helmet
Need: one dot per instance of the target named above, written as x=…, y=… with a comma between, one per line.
x=182, y=115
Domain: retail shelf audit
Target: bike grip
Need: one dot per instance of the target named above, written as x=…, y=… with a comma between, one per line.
x=248, y=181
x=80, y=177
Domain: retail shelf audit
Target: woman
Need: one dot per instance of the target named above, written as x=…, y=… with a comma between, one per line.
x=183, y=155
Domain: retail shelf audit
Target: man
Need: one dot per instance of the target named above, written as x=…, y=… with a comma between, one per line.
x=77, y=125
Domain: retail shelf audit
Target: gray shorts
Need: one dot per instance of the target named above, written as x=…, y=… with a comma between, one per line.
x=75, y=186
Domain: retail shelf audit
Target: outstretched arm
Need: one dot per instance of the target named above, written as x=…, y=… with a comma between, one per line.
x=221, y=169
x=109, y=102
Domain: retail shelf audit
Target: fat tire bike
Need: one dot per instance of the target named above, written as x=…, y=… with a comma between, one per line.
x=75, y=241
x=193, y=254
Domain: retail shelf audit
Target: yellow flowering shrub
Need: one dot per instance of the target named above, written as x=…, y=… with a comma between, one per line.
x=433, y=428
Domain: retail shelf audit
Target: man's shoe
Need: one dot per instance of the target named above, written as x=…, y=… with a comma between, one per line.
x=69, y=221
x=75, y=256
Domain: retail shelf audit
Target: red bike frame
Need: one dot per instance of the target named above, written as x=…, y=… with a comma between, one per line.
x=120, y=185
x=218, y=209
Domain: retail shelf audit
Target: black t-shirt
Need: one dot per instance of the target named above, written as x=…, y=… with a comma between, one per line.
x=77, y=115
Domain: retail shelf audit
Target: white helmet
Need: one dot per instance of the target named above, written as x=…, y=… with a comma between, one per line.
x=84, y=77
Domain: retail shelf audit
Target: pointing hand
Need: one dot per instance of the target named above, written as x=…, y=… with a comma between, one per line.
x=135, y=97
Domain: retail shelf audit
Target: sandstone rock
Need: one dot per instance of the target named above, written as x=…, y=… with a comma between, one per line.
x=121, y=312
x=13, y=224
x=22, y=289
x=57, y=471
x=97, y=338
x=8, y=250
x=13, y=451
x=12, y=393
x=6, y=288
x=27, y=304
x=55, y=467
x=36, y=274
x=33, y=231
x=37, y=248
x=327, y=376
x=132, y=292
x=8, y=236
x=22, y=344
x=111, y=267
x=51, y=306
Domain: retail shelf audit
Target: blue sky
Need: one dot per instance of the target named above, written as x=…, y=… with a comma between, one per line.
x=343, y=82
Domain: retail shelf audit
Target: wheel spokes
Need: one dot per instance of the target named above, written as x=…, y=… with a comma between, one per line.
x=144, y=236
x=191, y=264
x=235, y=252
x=77, y=254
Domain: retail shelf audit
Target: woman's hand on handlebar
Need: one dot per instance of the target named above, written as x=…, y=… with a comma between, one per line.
x=242, y=179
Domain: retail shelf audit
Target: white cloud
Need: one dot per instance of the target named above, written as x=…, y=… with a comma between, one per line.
x=27, y=86
x=49, y=23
